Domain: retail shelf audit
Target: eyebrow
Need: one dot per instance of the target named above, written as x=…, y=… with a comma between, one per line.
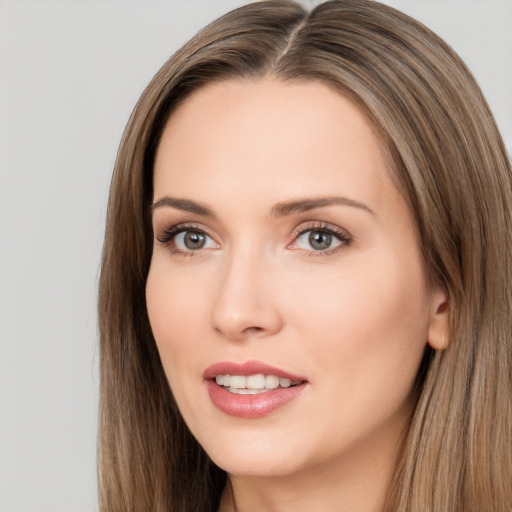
x=183, y=204
x=304, y=205
x=279, y=210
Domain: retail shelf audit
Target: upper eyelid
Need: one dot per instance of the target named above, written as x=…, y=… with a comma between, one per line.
x=184, y=226
x=175, y=229
x=306, y=226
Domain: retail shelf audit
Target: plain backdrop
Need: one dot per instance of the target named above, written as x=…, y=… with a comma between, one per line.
x=70, y=73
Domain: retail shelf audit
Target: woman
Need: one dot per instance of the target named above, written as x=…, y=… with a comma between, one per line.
x=305, y=298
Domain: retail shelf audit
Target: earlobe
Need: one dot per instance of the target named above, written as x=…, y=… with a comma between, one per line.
x=438, y=332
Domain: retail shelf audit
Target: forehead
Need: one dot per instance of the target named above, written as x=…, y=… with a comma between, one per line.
x=269, y=137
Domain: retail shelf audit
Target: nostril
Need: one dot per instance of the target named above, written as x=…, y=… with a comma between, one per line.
x=255, y=329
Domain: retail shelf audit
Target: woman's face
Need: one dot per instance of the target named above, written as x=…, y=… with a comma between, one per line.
x=284, y=252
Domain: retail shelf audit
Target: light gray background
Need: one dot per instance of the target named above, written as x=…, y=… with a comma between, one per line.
x=70, y=72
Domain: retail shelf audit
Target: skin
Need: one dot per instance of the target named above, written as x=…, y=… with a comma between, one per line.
x=354, y=320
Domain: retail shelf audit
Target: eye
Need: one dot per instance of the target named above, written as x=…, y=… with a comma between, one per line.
x=317, y=240
x=193, y=241
x=187, y=239
x=320, y=239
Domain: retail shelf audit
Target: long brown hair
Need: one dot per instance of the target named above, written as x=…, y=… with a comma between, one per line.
x=451, y=165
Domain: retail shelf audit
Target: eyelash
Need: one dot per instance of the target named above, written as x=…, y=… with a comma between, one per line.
x=345, y=238
x=169, y=235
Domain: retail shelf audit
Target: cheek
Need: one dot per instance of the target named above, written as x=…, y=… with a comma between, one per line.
x=366, y=324
x=364, y=334
x=174, y=314
x=361, y=296
x=174, y=310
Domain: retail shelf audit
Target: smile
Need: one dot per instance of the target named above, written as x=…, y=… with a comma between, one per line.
x=253, y=384
x=252, y=389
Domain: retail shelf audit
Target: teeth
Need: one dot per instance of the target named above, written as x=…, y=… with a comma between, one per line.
x=285, y=383
x=252, y=384
x=239, y=382
x=247, y=391
x=256, y=381
x=271, y=382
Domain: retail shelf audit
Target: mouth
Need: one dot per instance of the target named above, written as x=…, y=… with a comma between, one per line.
x=254, y=384
x=252, y=389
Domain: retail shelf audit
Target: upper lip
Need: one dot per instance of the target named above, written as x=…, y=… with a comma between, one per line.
x=248, y=368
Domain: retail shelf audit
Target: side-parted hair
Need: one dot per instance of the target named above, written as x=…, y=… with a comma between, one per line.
x=449, y=162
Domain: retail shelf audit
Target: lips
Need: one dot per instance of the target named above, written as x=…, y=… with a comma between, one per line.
x=251, y=403
x=248, y=368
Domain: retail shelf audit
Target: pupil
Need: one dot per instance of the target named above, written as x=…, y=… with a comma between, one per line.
x=194, y=240
x=320, y=240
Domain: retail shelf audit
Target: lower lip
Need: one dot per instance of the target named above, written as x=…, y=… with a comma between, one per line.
x=252, y=406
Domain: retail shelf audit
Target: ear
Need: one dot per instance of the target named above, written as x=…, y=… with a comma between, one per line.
x=438, y=331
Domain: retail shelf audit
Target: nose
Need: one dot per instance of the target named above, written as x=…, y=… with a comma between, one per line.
x=246, y=304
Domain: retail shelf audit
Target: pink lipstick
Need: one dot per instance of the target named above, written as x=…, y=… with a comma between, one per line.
x=251, y=390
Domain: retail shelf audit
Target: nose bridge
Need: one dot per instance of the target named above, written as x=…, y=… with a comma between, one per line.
x=244, y=303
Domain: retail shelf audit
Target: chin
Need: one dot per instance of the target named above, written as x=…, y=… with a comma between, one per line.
x=262, y=467
x=252, y=455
